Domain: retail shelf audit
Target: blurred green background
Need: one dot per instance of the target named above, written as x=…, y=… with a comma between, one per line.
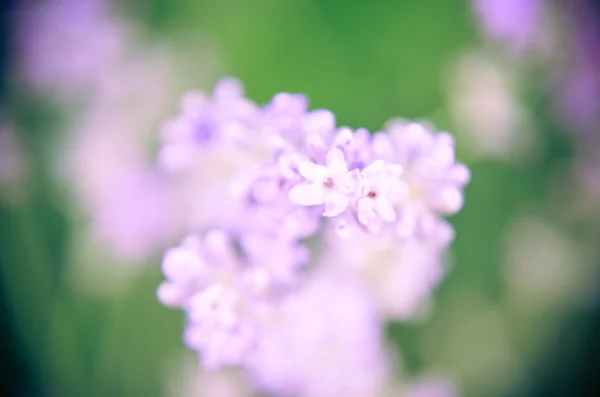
x=367, y=62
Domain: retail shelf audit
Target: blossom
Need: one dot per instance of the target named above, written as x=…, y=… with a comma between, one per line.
x=187, y=379
x=484, y=104
x=511, y=21
x=224, y=300
x=324, y=341
x=264, y=283
x=332, y=185
x=379, y=180
x=85, y=34
x=431, y=181
x=136, y=216
x=397, y=276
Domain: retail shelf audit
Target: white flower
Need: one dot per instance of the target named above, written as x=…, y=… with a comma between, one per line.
x=331, y=185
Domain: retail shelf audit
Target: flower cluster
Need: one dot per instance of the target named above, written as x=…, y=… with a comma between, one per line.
x=304, y=237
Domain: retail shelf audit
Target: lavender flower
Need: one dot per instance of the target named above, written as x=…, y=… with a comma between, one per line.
x=513, y=22
x=397, y=276
x=324, y=341
x=331, y=185
x=263, y=182
x=224, y=299
x=67, y=46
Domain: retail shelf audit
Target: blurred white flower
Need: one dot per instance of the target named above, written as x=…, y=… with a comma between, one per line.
x=544, y=269
x=66, y=47
x=484, y=105
x=187, y=379
x=399, y=276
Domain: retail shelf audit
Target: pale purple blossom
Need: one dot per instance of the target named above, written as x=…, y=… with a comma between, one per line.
x=224, y=297
x=66, y=46
x=513, y=22
x=398, y=276
x=431, y=180
x=325, y=340
x=332, y=185
x=264, y=282
x=188, y=379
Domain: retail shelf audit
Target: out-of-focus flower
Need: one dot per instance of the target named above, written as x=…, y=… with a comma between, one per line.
x=262, y=181
x=543, y=269
x=332, y=185
x=323, y=341
x=225, y=300
x=431, y=181
x=512, y=22
x=107, y=162
x=398, y=276
x=485, y=108
x=136, y=216
x=67, y=46
x=474, y=346
x=576, y=81
x=189, y=380
x=558, y=40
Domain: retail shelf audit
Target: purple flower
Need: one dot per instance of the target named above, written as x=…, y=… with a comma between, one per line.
x=379, y=180
x=224, y=299
x=432, y=182
x=398, y=276
x=511, y=21
x=324, y=341
x=135, y=217
x=267, y=179
x=331, y=185
x=67, y=46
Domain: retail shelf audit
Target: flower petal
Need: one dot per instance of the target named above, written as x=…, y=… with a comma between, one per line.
x=336, y=162
x=312, y=171
x=335, y=204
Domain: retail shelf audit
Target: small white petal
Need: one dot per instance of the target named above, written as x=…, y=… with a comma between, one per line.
x=170, y=294
x=459, y=174
x=335, y=204
x=312, y=171
x=447, y=200
x=343, y=138
x=319, y=122
x=180, y=264
x=336, y=162
x=383, y=145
